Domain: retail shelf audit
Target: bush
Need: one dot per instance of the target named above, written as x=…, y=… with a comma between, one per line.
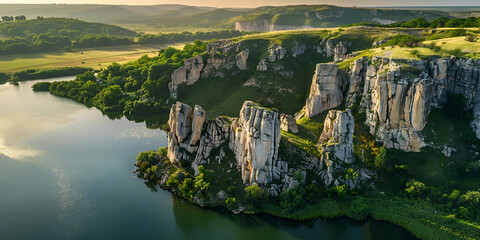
x=471, y=38
x=41, y=86
x=404, y=40
x=255, y=195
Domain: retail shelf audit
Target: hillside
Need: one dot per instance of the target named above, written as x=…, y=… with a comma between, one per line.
x=296, y=16
x=61, y=26
x=324, y=16
x=48, y=34
x=97, y=12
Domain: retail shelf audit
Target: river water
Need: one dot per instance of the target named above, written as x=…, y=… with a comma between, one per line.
x=66, y=173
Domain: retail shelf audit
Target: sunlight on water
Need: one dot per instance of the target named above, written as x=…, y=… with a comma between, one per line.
x=69, y=201
x=17, y=152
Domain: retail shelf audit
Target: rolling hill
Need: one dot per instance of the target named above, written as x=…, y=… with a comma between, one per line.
x=99, y=13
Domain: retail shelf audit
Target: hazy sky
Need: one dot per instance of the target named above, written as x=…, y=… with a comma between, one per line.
x=256, y=3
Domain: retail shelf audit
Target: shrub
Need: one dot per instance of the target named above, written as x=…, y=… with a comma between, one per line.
x=256, y=195
x=471, y=38
x=41, y=86
x=404, y=40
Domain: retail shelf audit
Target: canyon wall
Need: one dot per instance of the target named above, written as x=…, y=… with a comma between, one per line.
x=398, y=95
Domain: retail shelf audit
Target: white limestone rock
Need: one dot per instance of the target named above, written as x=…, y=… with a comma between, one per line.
x=288, y=123
x=326, y=91
x=337, y=136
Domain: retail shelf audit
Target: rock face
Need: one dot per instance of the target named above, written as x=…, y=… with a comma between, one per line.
x=188, y=74
x=397, y=96
x=326, y=91
x=336, y=146
x=337, y=136
x=241, y=59
x=262, y=65
x=288, y=123
x=340, y=52
x=262, y=25
x=196, y=68
x=253, y=140
x=276, y=52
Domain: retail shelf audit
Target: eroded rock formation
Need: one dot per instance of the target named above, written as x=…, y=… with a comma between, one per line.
x=397, y=96
x=326, y=91
x=253, y=140
x=337, y=136
x=288, y=123
x=336, y=146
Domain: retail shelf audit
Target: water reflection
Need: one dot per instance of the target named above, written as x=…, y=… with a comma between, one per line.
x=17, y=152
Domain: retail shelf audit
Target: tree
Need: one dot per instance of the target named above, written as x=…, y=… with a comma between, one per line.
x=255, y=195
x=20, y=18
x=415, y=189
x=471, y=38
x=8, y=18
x=109, y=98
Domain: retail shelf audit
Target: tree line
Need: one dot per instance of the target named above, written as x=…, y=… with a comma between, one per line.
x=11, y=18
x=424, y=23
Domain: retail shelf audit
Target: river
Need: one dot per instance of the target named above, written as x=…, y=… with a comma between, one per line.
x=66, y=173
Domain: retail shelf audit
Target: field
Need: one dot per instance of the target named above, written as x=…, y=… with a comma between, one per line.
x=96, y=58
x=152, y=29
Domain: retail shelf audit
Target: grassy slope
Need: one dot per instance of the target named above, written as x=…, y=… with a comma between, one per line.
x=96, y=58
x=287, y=95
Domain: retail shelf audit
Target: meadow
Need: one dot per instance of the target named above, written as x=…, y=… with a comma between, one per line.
x=96, y=58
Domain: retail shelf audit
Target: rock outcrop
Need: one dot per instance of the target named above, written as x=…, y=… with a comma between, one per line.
x=337, y=136
x=262, y=65
x=336, y=146
x=253, y=140
x=340, y=52
x=187, y=74
x=276, y=52
x=288, y=123
x=241, y=59
x=397, y=96
x=221, y=55
x=263, y=25
x=326, y=91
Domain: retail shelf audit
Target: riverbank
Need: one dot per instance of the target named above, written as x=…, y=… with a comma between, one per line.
x=420, y=218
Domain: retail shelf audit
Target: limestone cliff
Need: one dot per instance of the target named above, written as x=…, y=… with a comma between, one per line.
x=253, y=140
x=397, y=96
x=263, y=25
x=221, y=55
x=227, y=58
x=337, y=136
x=336, y=146
x=326, y=91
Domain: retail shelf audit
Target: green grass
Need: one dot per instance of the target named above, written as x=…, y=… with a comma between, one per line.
x=419, y=218
x=95, y=58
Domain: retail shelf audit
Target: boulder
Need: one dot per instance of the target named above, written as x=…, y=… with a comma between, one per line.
x=340, y=52
x=288, y=123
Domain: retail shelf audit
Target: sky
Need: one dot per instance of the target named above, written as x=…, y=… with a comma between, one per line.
x=256, y=3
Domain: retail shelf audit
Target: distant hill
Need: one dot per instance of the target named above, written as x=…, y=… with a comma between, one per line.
x=260, y=19
x=99, y=13
x=266, y=19
x=60, y=26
